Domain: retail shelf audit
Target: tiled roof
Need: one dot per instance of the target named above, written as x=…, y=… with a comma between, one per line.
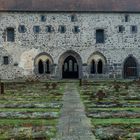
x=71, y=5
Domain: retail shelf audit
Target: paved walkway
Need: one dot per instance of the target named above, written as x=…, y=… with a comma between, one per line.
x=73, y=123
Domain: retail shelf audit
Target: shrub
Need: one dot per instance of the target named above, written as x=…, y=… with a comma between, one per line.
x=116, y=87
x=54, y=85
x=100, y=95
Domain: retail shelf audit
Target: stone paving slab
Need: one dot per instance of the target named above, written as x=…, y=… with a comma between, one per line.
x=73, y=123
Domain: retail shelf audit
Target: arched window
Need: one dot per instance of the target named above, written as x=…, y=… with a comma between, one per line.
x=130, y=68
x=70, y=68
x=65, y=66
x=75, y=67
x=40, y=67
x=93, y=67
x=100, y=67
x=48, y=66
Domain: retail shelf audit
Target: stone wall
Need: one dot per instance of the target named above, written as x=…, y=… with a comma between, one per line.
x=28, y=45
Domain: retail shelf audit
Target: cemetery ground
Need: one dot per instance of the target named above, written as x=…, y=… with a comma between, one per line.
x=30, y=110
x=114, y=108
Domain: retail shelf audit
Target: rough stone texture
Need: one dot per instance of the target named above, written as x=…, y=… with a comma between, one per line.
x=27, y=46
x=73, y=123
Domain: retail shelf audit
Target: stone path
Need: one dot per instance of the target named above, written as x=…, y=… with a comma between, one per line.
x=73, y=123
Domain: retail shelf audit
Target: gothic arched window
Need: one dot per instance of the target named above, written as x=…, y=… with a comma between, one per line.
x=40, y=67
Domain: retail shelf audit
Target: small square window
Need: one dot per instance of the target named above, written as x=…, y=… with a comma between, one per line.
x=43, y=18
x=36, y=29
x=5, y=60
x=121, y=29
x=134, y=29
x=49, y=28
x=62, y=29
x=126, y=18
x=100, y=36
x=76, y=29
x=22, y=29
x=73, y=18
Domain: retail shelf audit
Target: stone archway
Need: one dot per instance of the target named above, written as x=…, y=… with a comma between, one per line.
x=43, y=64
x=97, y=63
x=130, y=68
x=73, y=70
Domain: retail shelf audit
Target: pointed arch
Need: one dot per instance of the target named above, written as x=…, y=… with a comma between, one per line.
x=43, y=59
x=97, y=62
x=130, y=67
x=76, y=64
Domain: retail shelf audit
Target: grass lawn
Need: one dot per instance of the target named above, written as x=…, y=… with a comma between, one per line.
x=114, y=110
x=30, y=110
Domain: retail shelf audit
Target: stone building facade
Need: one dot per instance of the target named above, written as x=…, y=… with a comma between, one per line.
x=69, y=44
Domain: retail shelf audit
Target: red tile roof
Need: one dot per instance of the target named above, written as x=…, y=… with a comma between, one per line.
x=71, y=5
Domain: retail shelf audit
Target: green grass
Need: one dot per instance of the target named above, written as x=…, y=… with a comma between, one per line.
x=115, y=121
x=26, y=94
x=114, y=109
x=29, y=110
x=34, y=122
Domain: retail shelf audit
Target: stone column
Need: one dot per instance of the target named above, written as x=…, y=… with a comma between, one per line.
x=85, y=71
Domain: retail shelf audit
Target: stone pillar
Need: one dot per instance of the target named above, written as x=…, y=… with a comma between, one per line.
x=56, y=72
x=85, y=71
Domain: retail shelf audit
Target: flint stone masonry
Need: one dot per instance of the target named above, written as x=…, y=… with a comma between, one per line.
x=28, y=45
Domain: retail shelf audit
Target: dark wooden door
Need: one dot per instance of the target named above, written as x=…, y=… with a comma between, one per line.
x=130, y=68
x=70, y=68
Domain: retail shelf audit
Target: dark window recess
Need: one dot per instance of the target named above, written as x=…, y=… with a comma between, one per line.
x=10, y=34
x=62, y=29
x=22, y=29
x=43, y=18
x=36, y=29
x=121, y=29
x=76, y=29
x=5, y=60
x=93, y=67
x=126, y=18
x=73, y=18
x=100, y=36
x=48, y=67
x=134, y=29
x=49, y=29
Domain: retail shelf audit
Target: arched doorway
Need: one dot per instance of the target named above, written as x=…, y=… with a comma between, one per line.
x=130, y=68
x=70, y=68
x=73, y=59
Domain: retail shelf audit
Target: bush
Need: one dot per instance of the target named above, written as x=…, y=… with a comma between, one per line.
x=100, y=95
